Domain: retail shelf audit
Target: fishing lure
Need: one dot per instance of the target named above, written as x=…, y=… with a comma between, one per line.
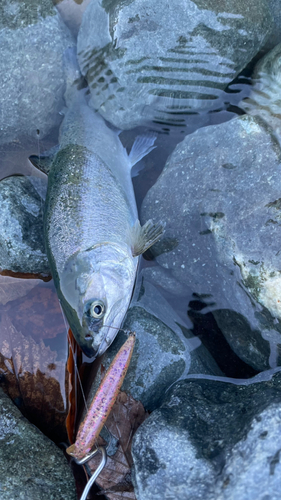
x=103, y=401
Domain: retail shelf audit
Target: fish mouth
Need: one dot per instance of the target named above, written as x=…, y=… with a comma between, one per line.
x=94, y=341
x=88, y=337
x=92, y=347
x=109, y=330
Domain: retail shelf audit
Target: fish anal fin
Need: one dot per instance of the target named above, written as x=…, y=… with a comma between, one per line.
x=142, y=146
x=143, y=237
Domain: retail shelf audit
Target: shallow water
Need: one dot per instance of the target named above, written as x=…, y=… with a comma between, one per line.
x=44, y=317
x=33, y=342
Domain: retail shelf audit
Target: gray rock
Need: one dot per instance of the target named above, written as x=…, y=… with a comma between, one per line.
x=165, y=349
x=33, y=39
x=214, y=440
x=149, y=61
x=264, y=100
x=71, y=12
x=31, y=465
x=162, y=277
x=22, y=246
x=275, y=36
x=224, y=220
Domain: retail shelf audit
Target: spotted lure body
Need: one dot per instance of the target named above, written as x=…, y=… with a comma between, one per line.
x=103, y=401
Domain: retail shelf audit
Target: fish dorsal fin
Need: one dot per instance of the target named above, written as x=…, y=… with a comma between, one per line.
x=44, y=161
x=143, y=237
x=142, y=146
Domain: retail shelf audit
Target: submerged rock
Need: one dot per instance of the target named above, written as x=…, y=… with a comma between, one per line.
x=71, y=12
x=162, y=277
x=214, y=440
x=149, y=61
x=264, y=100
x=32, y=38
x=224, y=217
x=31, y=465
x=165, y=349
x=22, y=246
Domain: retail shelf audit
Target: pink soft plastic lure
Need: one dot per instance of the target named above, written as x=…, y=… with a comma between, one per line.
x=103, y=401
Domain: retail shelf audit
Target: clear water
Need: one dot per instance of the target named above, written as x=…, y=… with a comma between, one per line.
x=33, y=341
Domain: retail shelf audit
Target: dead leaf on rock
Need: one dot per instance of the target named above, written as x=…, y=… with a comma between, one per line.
x=31, y=372
x=26, y=276
x=33, y=378
x=115, y=479
x=73, y=364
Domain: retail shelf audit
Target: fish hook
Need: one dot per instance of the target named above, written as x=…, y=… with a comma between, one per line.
x=102, y=464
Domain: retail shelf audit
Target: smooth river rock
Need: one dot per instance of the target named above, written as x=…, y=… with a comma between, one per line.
x=22, y=247
x=214, y=440
x=219, y=195
x=264, y=100
x=31, y=465
x=165, y=349
x=33, y=39
x=275, y=35
x=157, y=61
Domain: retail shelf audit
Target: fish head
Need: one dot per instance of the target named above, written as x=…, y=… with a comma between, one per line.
x=97, y=296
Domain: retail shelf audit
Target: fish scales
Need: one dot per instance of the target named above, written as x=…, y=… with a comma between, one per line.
x=73, y=201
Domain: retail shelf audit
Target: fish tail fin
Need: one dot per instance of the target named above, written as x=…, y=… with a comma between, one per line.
x=143, y=237
x=142, y=146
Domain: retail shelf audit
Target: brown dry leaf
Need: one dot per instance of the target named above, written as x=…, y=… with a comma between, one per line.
x=115, y=479
x=31, y=372
x=73, y=363
x=33, y=378
x=14, y=288
x=26, y=276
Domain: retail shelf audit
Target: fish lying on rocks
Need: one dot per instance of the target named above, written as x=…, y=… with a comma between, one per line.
x=92, y=232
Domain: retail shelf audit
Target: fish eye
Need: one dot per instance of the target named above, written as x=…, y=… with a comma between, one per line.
x=97, y=309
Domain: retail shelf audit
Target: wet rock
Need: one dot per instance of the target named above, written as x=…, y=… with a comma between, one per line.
x=147, y=61
x=22, y=246
x=71, y=12
x=264, y=100
x=165, y=349
x=31, y=465
x=162, y=277
x=214, y=440
x=224, y=217
x=33, y=38
x=275, y=36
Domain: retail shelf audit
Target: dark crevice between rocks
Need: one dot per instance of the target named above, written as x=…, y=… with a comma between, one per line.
x=205, y=327
x=230, y=409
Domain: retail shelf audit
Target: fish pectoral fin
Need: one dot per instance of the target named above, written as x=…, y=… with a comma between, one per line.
x=44, y=161
x=144, y=237
x=142, y=146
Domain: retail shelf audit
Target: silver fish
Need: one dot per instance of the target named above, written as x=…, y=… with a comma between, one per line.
x=92, y=232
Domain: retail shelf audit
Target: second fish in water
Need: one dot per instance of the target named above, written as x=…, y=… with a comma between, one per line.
x=92, y=233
